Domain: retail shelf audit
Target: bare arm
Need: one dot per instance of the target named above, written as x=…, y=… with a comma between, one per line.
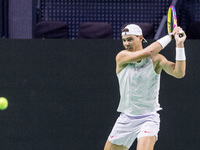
x=175, y=69
x=125, y=57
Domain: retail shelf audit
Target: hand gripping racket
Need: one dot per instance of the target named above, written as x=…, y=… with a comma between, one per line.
x=172, y=20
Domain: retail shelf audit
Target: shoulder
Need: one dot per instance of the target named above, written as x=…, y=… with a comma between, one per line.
x=119, y=57
x=122, y=56
x=121, y=53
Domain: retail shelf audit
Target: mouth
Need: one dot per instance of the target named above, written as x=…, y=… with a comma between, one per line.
x=128, y=47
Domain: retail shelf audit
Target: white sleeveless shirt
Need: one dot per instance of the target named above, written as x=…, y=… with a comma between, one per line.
x=139, y=88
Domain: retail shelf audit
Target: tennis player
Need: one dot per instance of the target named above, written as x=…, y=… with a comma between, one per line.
x=138, y=71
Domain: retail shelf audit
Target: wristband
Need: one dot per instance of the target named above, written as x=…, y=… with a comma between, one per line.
x=164, y=41
x=180, y=54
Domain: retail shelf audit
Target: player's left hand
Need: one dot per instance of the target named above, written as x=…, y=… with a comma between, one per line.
x=180, y=40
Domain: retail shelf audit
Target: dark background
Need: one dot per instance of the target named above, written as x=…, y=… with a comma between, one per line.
x=63, y=94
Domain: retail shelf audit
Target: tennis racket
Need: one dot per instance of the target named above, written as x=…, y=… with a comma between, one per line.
x=172, y=20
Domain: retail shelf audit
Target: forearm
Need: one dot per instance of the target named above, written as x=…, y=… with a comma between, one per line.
x=180, y=65
x=154, y=48
x=180, y=45
x=158, y=45
x=180, y=68
x=164, y=41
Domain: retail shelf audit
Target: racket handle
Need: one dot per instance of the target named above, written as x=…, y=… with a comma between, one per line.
x=181, y=34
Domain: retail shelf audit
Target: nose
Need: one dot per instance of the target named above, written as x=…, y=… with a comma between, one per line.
x=126, y=43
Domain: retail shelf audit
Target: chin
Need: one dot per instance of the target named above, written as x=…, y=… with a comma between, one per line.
x=128, y=48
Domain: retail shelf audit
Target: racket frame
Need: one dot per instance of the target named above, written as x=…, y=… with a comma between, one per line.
x=172, y=16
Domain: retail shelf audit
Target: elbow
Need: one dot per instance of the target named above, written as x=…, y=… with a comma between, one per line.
x=149, y=53
x=180, y=75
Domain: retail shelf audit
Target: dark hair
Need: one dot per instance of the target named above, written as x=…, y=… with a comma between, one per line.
x=125, y=30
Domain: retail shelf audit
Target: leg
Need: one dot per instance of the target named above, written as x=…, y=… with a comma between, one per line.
x=146, y=143
x=110, y=146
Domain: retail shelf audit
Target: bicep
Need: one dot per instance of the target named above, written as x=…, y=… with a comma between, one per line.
x=176, y=70
x=167, y=66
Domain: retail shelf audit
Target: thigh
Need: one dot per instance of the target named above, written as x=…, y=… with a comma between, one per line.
x=110, y=146
x=124, y=131
x=146, y=143
x=150, y=127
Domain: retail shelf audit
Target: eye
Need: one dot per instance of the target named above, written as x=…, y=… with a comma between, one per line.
x=129, y=40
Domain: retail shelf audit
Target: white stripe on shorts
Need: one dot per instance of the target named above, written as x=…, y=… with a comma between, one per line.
x=128, y=128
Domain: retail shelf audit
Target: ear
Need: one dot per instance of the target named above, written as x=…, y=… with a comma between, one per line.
x=141, y=38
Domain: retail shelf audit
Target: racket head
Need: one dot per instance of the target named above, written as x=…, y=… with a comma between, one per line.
x=171, y=19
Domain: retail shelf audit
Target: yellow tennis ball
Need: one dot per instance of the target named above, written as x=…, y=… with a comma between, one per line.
x=3, y=103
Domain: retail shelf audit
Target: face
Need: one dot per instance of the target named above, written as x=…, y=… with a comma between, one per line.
x=132, y=42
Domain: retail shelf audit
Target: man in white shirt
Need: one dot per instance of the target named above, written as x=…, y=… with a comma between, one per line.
x=138, y=70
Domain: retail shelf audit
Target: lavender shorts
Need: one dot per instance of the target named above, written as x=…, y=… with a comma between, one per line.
x=128, y=128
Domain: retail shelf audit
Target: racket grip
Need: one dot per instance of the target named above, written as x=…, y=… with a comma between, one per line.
x=181, y=34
